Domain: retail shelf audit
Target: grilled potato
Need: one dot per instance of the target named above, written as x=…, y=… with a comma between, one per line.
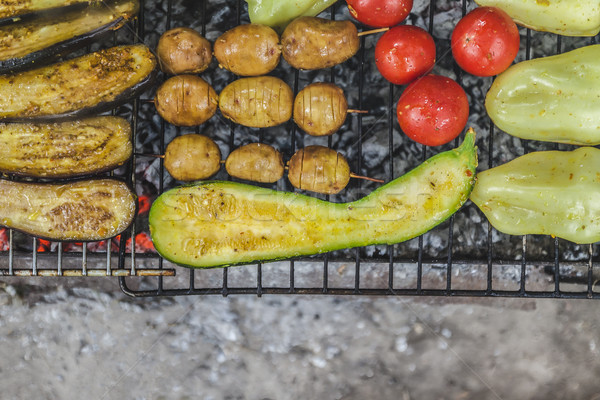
x=257, y=102
x=256, y=162
x=320, y=109
x=248, y=50
x=319, y=169
x=183, y=51
x=186, y=100
x=315, y=43
x=192, y=157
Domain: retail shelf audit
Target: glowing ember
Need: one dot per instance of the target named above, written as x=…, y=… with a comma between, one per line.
x=4, y=241
x=144, y=204
x=143, y=243
x=43, y=245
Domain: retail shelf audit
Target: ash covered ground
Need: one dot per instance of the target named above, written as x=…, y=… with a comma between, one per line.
x=85, y=336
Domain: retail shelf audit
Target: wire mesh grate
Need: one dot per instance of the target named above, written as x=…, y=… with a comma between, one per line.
x=546, y=273
x=449, y=261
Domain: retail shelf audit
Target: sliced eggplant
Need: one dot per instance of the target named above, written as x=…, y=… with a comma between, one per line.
x=87, y=210
x=91, y=83
x=64, y=149
x=13, y=9
x=44, y=38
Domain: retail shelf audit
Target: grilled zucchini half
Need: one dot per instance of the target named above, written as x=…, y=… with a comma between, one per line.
x=88, y=210
x=42, y=39
x=217, y=223
x=64, y=149
x=91, y=83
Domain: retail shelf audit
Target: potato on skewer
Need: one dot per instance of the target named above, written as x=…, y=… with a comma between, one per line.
x=186, y=100
x=313, y=43
x=256, y=162
x=192, y=157
x=183, y=51
x=320, y=109
x=257, y=102
x=317, y=169
x=248, y=50
x=321, y=169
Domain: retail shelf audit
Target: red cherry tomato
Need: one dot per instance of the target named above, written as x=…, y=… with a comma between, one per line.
x=404, y=53
x=380, y=13
x=433, y=110
x=485, y=41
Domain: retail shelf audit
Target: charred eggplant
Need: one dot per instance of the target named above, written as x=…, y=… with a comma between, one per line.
x=91, y=83
x=44, y=38
x=13, y=9
x=88, y=210
x=64, y=149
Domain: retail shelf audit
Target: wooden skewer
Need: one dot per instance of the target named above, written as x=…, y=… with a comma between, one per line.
x=160, y=156
x=149, y=155
x=356, y=111
x=372, y=31
x=367, y=178
x=353, y=175
x=349, y=111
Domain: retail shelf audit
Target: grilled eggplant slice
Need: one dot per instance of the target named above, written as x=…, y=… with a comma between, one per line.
x=87, y=210
x=64, y=149
x=44, y=38
x=91, y=83
x=20, y=8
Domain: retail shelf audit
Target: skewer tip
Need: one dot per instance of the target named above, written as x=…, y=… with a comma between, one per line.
x=366, y=178
x=372, y=31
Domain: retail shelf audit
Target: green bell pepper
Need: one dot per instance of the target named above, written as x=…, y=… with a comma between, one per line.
x=547, y=192
x=279, y=13
x=554, y=98
x=564, y=17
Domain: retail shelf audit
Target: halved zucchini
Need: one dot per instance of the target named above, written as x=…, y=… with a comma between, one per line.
x=88, y=210
x=225, y=223
x=48, y=36
x=90, y=83
x=64, y=149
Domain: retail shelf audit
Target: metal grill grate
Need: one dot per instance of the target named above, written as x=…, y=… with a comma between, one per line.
x=444, y=262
